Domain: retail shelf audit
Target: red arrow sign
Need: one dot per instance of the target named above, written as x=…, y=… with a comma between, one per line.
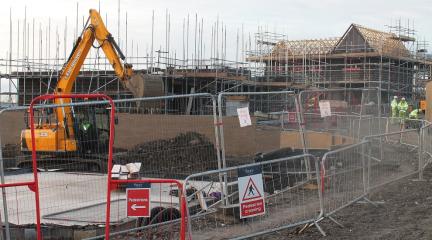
x=138, y=202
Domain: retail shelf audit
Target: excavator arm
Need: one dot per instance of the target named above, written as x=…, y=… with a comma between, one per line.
x=94, y=30
x=62, y=138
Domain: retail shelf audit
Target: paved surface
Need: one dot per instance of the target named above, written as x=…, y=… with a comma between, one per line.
x=73, y=199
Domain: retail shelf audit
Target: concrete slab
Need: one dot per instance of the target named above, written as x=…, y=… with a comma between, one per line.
x=76, y=199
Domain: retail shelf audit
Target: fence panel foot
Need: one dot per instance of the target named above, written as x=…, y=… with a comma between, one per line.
x=320, y=229
x=335, y=221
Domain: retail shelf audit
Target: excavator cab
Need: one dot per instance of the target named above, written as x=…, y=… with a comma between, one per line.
x=91, y=127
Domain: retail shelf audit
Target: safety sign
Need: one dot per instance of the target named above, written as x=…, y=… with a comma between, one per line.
x=292, y=117
x=138, y=202
x=325, y=108
x=251, y=192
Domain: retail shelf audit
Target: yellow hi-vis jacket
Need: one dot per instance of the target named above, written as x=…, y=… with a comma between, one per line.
x=403, y=106
x=414, y=114
x=394, y=104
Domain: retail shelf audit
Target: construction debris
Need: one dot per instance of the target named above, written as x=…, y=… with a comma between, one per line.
x=128, y=171
x=176, y=157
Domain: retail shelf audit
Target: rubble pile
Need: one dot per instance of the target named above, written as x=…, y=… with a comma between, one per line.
x=176, y=157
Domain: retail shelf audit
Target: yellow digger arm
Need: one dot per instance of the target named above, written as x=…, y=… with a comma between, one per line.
x=60, y=136
x=95, y=30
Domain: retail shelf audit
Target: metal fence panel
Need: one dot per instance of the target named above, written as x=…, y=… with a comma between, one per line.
x=392, y=156
x=350, y=113
x=13, y=120
x=166, y=211
x=272, y=133
x=72, y=146
x=172, y=137
x=343, y=175
x=425, y=157
x=290, y=200
x=19, y=194
x=175, y=137
x=169, y=136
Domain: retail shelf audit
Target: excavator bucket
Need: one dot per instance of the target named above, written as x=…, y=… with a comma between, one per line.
x=145, y=85
x=136, y=85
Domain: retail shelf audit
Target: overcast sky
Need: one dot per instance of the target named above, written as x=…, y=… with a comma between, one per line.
x=298, y=19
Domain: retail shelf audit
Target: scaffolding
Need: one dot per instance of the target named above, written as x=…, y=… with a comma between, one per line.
x=37, y=53
x=362, y=58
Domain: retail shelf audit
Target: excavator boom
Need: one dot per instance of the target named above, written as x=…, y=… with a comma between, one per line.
x=60, y=136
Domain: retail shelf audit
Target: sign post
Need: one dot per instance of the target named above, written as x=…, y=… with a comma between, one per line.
x=251, y=192
x=138, y=200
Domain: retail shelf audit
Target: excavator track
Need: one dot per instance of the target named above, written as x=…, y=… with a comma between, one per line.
x=77, y=163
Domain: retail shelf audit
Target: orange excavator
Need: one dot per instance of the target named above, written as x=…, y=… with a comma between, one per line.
x=81, y=130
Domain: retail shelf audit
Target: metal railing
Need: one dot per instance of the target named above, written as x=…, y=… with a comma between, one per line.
x=291, y=199
x=343, y=177
x=301, y=189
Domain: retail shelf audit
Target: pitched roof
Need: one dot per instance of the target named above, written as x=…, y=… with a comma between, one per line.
x=300, y=47
x=356, y=39
x=384, y=43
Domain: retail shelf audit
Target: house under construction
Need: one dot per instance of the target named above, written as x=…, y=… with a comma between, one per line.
x=361, y=58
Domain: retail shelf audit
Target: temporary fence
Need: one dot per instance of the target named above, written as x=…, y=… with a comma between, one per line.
x=254, y=123
x=166, y=138
x=70, y=138
x=14, y=213
x=392, y=156
x=172, y=136
x=346, y=175
x=425, y=157
x=93, y=130
x=161, y=139
x=289, y=199
x=351, y=173
x=341, y=112
x=343, y=177
x=158, y=205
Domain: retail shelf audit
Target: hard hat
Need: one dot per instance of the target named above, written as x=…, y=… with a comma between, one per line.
x=403, y=99
x=395, y=97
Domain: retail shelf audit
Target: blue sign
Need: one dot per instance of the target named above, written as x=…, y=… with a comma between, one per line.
x=249, y=171
x=138, y=185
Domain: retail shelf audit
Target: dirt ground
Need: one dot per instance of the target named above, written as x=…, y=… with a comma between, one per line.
x=404, y=212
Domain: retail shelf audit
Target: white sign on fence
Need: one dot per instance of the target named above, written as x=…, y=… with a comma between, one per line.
x=251, y=192
x=325, y=108
x=244, y=117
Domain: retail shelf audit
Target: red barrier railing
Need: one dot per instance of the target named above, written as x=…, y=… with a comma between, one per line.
x=113, y=184
x=34, y=185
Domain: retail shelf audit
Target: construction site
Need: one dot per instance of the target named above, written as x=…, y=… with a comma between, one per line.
x=392, y=60
x=289, y=139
